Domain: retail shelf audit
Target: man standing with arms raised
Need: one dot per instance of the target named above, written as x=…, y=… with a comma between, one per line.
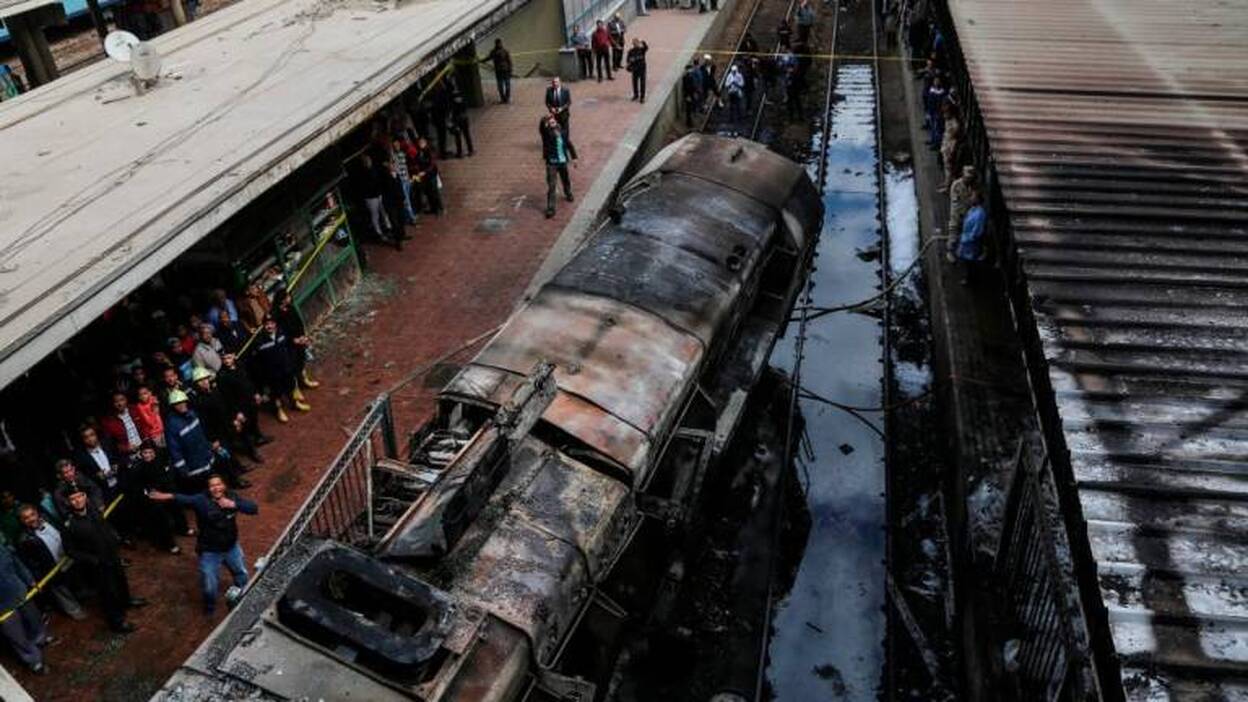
x=215, y=514
x=557, y=151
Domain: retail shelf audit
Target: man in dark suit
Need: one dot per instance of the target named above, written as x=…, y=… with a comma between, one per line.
x=97, y=458
x=69, y=479
x=40, y=546
x=559, y=102
x=91, y=542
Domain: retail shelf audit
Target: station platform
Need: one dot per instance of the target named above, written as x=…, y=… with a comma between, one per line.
x=408, y=322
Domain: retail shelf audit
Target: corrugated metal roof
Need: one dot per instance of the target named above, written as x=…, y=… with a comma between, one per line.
x=1119, y=131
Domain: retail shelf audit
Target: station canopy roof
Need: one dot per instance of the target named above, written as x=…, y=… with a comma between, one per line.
x=9, y=8
x=100, y=188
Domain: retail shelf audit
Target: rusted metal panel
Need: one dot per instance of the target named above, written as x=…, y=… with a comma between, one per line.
x=602, y=431
x=567, y=500
x=632, y=364
x=1119, y=131
x=599, y=429
x=493, y=671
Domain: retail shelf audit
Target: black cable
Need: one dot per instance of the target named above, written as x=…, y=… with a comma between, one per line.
x=817, y=312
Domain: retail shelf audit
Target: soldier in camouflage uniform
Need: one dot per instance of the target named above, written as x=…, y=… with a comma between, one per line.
x=959, y=203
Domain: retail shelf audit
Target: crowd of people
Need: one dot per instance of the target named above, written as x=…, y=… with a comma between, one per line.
x=943, y=124
x=396, y=176
x=176, y=423
x=179, y=429
x=755, y=73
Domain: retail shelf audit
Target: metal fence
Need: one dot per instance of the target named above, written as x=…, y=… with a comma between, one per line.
x=1058, y=479
x=585, y=13
x=340, y=506
x=1052, y=660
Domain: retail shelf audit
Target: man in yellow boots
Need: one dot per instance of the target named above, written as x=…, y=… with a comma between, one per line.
x=277, y=369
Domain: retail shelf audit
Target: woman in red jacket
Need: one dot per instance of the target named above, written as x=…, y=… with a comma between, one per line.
x=146, y=412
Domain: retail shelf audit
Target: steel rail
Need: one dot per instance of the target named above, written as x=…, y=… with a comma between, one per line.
x=796, y=380
x=887, y=389
x=737, y=52
x=762, y=99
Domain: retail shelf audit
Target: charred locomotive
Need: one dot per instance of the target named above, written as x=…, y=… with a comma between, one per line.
x=599, y=407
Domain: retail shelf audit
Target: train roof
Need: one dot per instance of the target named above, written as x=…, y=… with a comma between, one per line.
x=1119, y=131
x=629, y=319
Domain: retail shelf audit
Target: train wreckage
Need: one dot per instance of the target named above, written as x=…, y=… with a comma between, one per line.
x=535, y=514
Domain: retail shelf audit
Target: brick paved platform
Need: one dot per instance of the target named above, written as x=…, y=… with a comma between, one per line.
x=458, y=277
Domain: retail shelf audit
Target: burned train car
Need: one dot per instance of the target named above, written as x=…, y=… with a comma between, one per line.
x=599, y=407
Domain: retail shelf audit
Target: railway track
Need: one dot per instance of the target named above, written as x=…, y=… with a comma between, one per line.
x=846, y=66
x=813, y=146
x=762, y=18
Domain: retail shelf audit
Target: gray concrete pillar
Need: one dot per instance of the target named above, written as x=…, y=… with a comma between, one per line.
x=97, y=19
x=468, y=75
x=26, y=30
x=179, y=12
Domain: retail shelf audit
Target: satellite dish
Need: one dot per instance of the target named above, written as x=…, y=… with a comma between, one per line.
x=119, y=44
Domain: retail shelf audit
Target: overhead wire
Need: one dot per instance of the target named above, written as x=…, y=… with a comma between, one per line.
x=815, y=312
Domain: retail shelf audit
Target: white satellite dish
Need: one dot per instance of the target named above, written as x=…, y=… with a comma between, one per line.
x=119, y=44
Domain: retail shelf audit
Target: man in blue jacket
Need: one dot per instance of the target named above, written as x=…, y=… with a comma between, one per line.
x=23, y=625
x=970, y=249
x=192, y=454
x=217, y=544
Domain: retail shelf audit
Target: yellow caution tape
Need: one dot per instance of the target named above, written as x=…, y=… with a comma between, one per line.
x=43, y=582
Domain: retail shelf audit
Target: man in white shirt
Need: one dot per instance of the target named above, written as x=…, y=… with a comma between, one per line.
x=40, y=547
x=99, y=461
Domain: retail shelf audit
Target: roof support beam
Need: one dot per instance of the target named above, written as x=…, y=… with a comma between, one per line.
x=26, y=29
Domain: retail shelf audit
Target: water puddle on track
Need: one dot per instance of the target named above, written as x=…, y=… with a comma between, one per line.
x=828, y=629
x=911, y=366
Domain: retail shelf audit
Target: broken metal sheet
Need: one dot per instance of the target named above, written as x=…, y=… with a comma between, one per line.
x=568, y=500
x=528, y=578
x=587, y=422
x=630, y=363
x=556, y=537
x=604, y=432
